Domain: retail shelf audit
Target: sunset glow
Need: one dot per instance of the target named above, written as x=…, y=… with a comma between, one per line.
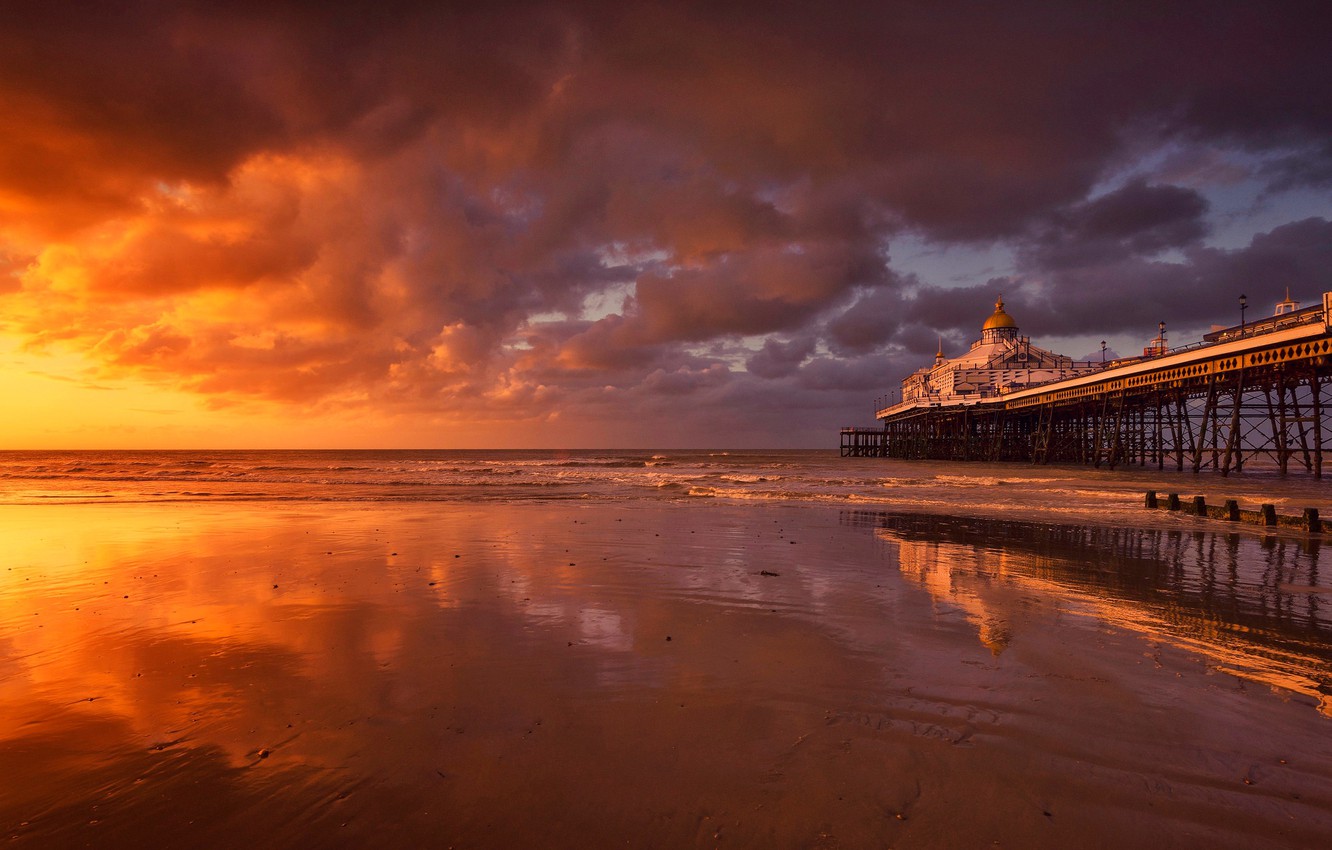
x=629, y=224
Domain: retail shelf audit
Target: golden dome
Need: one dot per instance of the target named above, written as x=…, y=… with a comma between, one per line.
x=1000, y=319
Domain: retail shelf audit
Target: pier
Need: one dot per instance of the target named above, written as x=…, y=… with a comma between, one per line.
x=1256, y=393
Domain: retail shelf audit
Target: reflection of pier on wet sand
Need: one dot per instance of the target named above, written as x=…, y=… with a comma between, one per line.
x=1252, y=607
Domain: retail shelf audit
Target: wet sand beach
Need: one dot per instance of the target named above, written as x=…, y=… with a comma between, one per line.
x=655, y=674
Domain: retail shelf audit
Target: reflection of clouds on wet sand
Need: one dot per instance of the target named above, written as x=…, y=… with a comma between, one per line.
x=603, y=629
x=341, y=646
x=547, y=675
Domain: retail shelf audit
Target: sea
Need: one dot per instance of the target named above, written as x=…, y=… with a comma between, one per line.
x=736, y=476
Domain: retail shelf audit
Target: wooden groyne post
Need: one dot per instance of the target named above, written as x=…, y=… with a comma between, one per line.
x=1266, y=515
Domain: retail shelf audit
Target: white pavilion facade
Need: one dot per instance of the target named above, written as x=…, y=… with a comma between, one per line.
x=1000, y=362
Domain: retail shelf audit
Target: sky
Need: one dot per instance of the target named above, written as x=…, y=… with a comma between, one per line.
x=622, y=224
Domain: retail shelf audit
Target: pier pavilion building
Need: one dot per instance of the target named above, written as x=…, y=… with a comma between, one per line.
x=1001, y=361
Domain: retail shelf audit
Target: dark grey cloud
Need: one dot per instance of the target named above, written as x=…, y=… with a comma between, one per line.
x=870, y=321
x=1310, y=168
x=777, y=358
x=1146, y=218
x=1191, y=293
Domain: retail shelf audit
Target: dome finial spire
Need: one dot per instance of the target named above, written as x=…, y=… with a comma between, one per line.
x=999, y=322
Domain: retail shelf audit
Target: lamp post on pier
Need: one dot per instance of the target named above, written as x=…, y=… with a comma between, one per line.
x=1244, y=305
